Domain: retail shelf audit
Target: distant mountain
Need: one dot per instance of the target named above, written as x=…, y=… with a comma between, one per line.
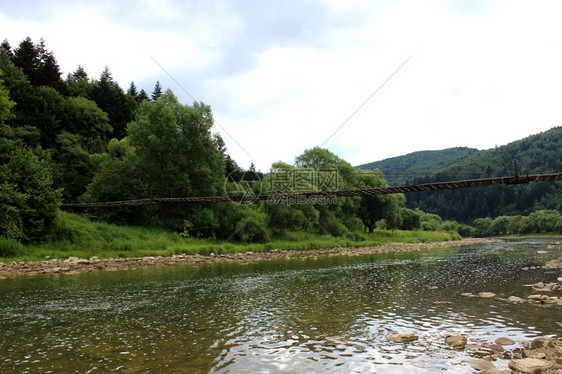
x=398, y=170
x=536, y=154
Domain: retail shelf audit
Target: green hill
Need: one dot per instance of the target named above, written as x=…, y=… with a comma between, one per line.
x=539, y=153
x=397, y=170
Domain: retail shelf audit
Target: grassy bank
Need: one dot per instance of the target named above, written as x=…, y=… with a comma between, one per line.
x=80, y=237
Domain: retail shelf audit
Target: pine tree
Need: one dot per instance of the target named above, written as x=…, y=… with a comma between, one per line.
x=26, y=58
x=37, y=63
x=5, y=46
x=157, y=91
x=111, y=98
x=143, y=96
x=133, y=90
x=77, y=75
x=49, y=70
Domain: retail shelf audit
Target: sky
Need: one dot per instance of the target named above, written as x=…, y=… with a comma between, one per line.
x=367, y=80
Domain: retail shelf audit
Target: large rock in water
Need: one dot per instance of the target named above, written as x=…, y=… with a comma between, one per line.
x=402, y=338
x=530, y=365
x=456, y=341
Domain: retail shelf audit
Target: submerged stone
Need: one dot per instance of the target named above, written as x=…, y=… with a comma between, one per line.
x=456, y=341
x=504, y=341
x=402, y=338
x=487, y=295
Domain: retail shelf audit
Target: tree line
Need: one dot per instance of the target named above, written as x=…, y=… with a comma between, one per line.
x=81, y=139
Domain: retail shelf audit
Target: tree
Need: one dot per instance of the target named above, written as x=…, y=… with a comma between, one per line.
x=21, y=91
x=6, y=47
x=111, y=99
x=79, y=84
x=410, y=219
x=374, y=208
x=28, y=203
x=72, y=170
x=117, y=178
x=37, y=63
x=170, y=151
x=157, y=92
x=6, y=106
x=143, y=96
x=84, y=118
x=133, y=90
x=49, y=70
x=26, y=57
x=78, y=74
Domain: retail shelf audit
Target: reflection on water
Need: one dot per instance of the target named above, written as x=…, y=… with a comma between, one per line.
x=301, y=315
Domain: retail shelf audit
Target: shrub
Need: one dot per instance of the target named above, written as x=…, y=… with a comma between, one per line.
x=411, y=220
x=10, y=247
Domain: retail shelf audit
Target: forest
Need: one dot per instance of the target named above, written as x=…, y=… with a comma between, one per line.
x=536, y=154
x=86, y=139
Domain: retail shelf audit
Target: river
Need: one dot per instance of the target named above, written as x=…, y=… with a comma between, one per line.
x=329, y=314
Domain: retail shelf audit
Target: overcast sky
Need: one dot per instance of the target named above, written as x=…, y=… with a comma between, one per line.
x=283, y=76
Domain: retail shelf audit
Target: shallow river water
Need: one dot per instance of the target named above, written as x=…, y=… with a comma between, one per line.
x=330, y=314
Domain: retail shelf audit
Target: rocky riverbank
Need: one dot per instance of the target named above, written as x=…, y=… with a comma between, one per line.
x=543, y=354
x=539, y=297
x=74, y=265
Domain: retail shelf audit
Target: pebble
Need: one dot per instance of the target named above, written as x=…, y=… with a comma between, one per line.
x=504, y=341
x=456, y=341
x=487, y=295
x=482, y=365
x=402, y=338
x=515, y=299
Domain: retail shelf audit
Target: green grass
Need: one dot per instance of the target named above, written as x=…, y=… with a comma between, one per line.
x=80, y=237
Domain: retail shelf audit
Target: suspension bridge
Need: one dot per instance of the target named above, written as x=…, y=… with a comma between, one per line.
x=250, y=197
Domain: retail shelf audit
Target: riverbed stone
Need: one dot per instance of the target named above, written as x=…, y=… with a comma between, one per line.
x=554, y=264
x=402, y=338
x=482, y=365
x=541, y=342
x=505, y=341
x=493, y=371
x=456, y=341
x=530, y=365
x=549, y=287
x=487, y=295
x=517, y=300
